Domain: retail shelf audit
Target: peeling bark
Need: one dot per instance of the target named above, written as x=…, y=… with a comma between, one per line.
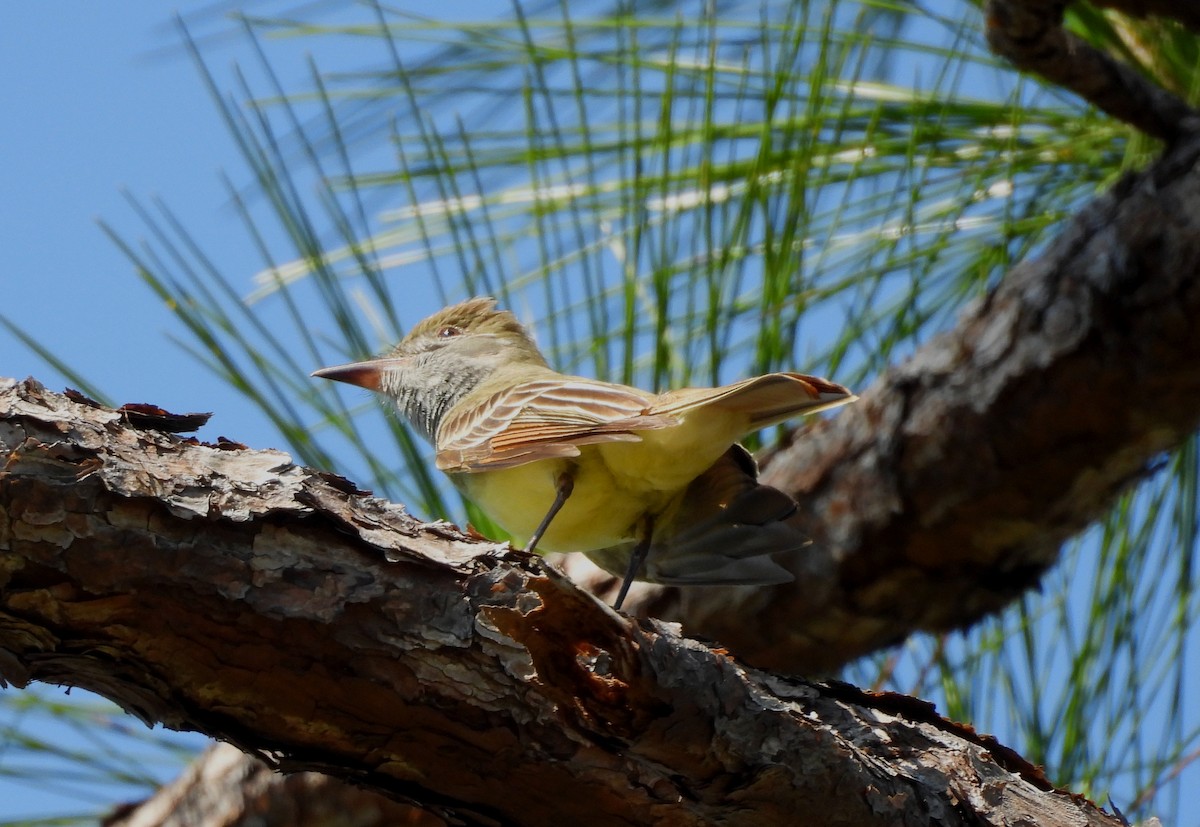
x=234, y=593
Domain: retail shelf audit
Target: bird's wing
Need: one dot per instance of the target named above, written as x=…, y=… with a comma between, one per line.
x=765, y=400
x=543, y=419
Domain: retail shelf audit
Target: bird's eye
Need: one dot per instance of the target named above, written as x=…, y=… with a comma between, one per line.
x=448, y=331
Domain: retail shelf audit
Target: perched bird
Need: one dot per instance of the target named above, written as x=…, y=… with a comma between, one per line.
x=650, y=486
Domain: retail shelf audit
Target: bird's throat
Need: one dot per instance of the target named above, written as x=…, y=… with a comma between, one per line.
x=424, y=396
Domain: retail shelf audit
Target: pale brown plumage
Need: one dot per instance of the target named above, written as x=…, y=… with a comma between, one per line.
x=582, y=465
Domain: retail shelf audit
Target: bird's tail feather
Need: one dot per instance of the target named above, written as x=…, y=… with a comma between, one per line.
x=764, y=400
x=724, y=530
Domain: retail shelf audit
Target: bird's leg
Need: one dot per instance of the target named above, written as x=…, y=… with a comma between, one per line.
x=635, y=561
x=562, y=489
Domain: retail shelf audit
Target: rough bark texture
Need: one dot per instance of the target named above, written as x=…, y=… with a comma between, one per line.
x=232, y=592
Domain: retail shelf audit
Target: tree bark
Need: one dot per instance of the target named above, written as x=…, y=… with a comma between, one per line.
x=229, y=591
x=225, y=787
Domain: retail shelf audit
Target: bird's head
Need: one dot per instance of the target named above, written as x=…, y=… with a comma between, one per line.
x=472, y=338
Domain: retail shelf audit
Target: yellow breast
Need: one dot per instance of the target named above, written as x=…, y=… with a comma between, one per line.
x=596, y=515
x=616, y=485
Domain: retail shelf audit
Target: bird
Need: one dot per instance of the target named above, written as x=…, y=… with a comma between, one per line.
x=650, y=486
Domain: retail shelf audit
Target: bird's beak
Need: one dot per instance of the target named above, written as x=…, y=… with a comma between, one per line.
x=364, y=374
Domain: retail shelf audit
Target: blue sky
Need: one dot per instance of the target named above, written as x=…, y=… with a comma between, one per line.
x=101, y=98
x=102, y=101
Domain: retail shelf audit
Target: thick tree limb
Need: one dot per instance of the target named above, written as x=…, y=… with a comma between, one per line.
x=225, y=787
x=1030, y=33
x=947, y=490
x=231, y=592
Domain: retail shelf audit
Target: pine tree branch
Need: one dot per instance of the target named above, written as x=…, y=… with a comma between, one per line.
x=225, y=787
x=231, y=592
